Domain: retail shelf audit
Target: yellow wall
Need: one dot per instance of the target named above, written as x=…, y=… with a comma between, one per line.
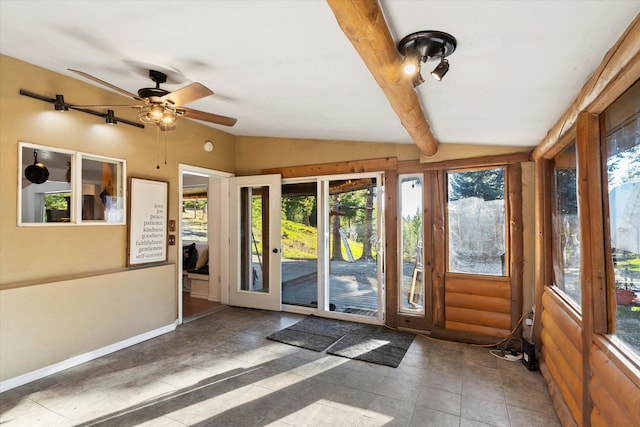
x=65, y=291
x=48, y=324
x=256, y=153
x=35, y=253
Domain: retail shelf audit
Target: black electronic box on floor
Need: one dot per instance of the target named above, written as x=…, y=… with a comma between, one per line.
x=529, y=355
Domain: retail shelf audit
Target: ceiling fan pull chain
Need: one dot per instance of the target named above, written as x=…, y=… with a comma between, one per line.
x=158, y=149
x=165, y=148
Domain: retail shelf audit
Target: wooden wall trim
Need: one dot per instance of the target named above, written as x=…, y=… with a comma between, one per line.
x=391, y=248
x=515, y=242
x=592, y=247
x=594, y=286
x=336, y=168
x=412, y=166
x=438, y=232
x=543, y=272
x=617, y=71
x=427, y=246
x=363, y=23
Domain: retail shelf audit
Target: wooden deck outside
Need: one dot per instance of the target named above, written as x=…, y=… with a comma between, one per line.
x=353, y=286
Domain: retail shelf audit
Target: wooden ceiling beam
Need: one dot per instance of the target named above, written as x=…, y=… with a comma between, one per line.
x=363, y=23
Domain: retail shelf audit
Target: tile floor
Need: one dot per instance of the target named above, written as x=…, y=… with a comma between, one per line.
x=221, y=371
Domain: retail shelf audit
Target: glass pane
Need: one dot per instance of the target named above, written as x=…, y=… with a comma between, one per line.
x=353, y=270
x=254, y=235
x=46, y=186
x=102, y=190
x=194, y=218
x=300, y=244
x=566, y=225
x=476, y=223
x=622, y=130
x=411, y=290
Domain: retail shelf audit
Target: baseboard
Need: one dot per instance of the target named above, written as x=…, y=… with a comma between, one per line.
x=199, y=295
x=82, y=358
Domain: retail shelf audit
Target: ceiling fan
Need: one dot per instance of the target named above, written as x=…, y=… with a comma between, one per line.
x=161, y=107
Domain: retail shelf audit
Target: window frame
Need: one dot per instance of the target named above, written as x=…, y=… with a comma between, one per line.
x=605, y=328
x=421, y=312
x=76, y=182
x=506, y=219
x=565, y=296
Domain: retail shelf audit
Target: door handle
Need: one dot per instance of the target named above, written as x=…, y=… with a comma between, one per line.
x=274, y=250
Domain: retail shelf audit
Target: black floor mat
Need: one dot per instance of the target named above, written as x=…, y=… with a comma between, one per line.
x=369, y=343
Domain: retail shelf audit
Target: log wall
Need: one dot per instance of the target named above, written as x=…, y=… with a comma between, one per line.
x=561, y=351
x=613, y=387
x=478, y=305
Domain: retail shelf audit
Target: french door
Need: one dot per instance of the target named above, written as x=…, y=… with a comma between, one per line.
x=255, y=236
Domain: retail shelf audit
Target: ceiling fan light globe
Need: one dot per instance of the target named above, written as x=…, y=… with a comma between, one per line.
x=156, y=112
x=168, y=118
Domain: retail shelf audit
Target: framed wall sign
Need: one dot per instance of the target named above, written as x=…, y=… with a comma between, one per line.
x=148, y=217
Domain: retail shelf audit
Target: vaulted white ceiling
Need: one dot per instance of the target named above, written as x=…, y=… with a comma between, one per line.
x=284, y=68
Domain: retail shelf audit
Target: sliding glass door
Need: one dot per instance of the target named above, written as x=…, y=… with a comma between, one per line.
x=332, y=239
x=300, y=255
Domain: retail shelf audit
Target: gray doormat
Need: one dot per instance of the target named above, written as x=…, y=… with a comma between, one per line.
x=369, y=343
x=375, y=344
x=314, y=333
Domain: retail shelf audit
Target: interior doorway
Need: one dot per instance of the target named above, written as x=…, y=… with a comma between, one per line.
x=202, y=236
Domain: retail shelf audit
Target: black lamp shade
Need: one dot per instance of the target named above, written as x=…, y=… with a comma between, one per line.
x=441, y=69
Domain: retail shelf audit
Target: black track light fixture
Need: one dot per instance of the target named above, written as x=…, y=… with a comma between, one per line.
x=441, y=69
x=422, y=46
x=110, y=118
x=60, y=105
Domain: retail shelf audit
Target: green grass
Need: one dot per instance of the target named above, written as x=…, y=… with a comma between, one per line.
x=631, y=264
x=300, y=241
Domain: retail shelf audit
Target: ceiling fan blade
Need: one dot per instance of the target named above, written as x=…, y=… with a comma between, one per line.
x=109, y=85
x=208, y=117
x=187, y=94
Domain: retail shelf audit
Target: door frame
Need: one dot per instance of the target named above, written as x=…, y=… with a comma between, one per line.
x=218, y=231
